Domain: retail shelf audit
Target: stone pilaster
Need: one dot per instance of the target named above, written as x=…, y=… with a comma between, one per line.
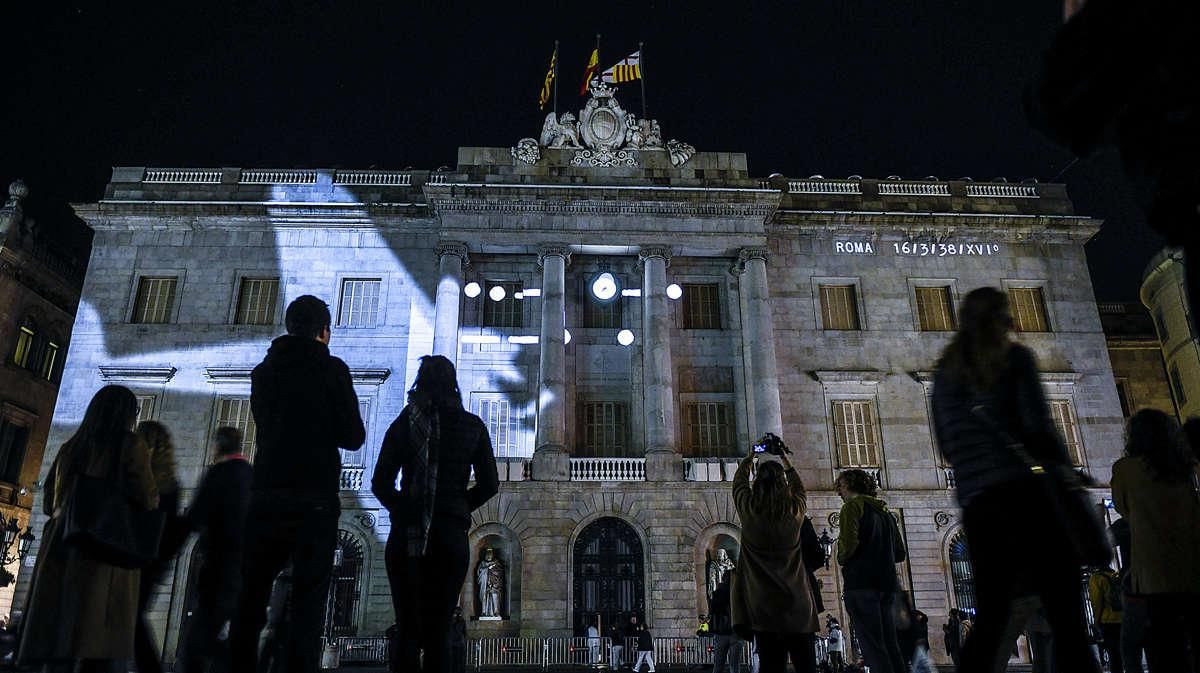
x=550, y=459
x=663, y=461
x=452, y=258
x=759, y=336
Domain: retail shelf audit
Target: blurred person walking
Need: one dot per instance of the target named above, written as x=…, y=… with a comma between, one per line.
x=218, y=513
x=869, y=548
x=1154, y=487
x=727, y=646
x=645, y=649
x=1133, y=612
x=771, y=598
x=436, y=444
x=305, y=409
x=837, y=647
x=1104, y=593
x=82, y=610
x=157, y=439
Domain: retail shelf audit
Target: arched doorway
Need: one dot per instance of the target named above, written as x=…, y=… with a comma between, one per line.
x=609, y=572
x=961, y=576
x=345, y=586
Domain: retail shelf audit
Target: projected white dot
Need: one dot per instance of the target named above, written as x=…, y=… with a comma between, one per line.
x=624, y=337
x=566, y=336
x=674, y=291
x=497, y=292
x=472, y=289
x=604, y=287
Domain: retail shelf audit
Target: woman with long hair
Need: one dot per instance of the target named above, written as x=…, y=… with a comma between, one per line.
x=989, y=410
x=1154, y=487
x=82, y=611
x=771, y=598
x=436, y=443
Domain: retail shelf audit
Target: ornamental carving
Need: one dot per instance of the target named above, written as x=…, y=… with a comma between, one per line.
x=554, y=250
x=366, y=520
x=456, y=248
x=942, y=519
x=747, y=254
x=605, y=134
x=648, y=251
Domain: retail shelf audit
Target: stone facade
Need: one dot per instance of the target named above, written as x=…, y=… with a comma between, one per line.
x=1137, y=358
x=1164, y=296
x=39, y=288
x=588, y=429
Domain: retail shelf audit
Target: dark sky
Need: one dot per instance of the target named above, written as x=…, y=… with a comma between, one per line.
x=831, y=87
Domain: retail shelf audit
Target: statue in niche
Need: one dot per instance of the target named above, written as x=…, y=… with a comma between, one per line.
x=717, y=568
x=489, y=581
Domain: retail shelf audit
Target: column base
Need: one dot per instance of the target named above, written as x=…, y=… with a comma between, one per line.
x=551, y=464
x=664, y=466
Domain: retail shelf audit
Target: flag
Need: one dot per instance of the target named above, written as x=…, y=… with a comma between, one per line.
x=592, y=66
x=629, y=69
x=544, y=96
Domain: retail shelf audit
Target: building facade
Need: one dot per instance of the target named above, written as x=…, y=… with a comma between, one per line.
x=40, y=282
x=626, y=315
x=1164, y=296
x=1137, y=358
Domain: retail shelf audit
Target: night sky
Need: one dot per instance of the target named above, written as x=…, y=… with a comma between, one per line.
x=830, y=87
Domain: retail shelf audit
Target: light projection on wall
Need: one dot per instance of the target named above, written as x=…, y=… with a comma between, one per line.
x=625, y=337
x=472, y=289
x=604, y=287
x=674, y=291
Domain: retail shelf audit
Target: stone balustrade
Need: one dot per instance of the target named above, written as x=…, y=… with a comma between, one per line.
x=608, y=469
x=372, y=178
x=190, y=176
x=825, y=186
x=1002, y=191
x=256, y=176
x=352, y=478
x=914, y=189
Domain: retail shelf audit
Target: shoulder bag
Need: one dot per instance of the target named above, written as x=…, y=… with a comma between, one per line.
x=100, y=521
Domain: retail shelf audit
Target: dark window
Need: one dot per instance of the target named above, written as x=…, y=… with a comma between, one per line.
x=347, y=584
x=701, y=306
x=709, y=428
x=13, y=441
x=1123, y=397
x=506, y=312
x=603, y=430
x=601, y=314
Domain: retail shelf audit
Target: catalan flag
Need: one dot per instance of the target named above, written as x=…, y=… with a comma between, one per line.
x=627, y=70
x=544, y=96
x=592, y=67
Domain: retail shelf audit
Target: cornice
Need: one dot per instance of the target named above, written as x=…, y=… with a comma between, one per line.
x=241, y=374
x=137, y=374
x=1002, y=226
x=458, y=205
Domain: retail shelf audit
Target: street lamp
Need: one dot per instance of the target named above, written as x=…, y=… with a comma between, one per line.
x=12, y=533
x=826, y=546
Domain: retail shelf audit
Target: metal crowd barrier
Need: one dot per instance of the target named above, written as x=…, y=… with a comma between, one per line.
x=362, y=650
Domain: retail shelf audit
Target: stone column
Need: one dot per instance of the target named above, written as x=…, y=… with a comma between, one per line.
x=452, y=257
x=663, y=462
x=758, y=333
x=550, y=459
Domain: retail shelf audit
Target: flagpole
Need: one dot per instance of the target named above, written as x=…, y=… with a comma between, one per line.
x=598, y=59
x=556, y=79
x=642, y=68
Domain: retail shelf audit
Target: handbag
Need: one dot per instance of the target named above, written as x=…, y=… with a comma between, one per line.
x=1070, y=502
x=100, y=521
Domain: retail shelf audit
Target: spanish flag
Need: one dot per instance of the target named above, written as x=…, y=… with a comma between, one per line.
x=629, y=69
x=592, y=66
x=544, y=96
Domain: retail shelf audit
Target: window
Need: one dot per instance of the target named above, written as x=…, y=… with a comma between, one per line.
x=346, y=583
x=49, y=359
x=257, y=298
x=854, y=435
x=146, y=404
x=962, y=579
x=1177, y=386
x=506, y=312
x=701, y=306
x=935, y=313
x=235, y=413
x=1123, y=397
x=155, y=300
x=709, y=429
x=13, y=441
x=603, y=429
x=360, y=302
x=496, y=411
x=34, y=351
x=25, y=342
x=357, y=459
x=1028, y=306
x=839, y=307
x=1064, y=419
x=601, y=314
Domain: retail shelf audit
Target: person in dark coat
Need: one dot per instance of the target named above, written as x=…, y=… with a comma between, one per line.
x=82, y=611
x=436, y=443
x=645, y=645
x=771, y=594
x=987, y=395
x=305, y=409
x=162, y=465
x=458, y=643
x=218, y=513
x=952, y=636
x=869, y=548
x=813, y=555
x=727, y=646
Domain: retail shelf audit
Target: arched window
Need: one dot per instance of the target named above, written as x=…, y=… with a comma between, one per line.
x=961, y=576
x=346, y=586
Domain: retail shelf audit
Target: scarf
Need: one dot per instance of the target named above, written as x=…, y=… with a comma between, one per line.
x=424, y=427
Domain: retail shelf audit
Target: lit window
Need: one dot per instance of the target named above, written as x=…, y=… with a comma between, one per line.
x=934, y=310
x=154, y=301
x=502, y=424
x=507, y=311
x=25, y=341
x=146, y=404
x=359, y=302
x=854, y=433
x=235, y=413
x=839, y=307
x=701, y=306
x=1028, y=305
x=1064, y=419
x=49, y=360
x=603, y=429
x=709, y=428
x=257, y=298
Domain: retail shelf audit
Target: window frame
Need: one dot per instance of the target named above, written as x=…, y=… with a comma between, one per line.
x=949, y=286
x=624, y=446
x=1043, y=290
x=381, y=300
x=517, y=306
x=874, y=433
x=180, y=276
x=688, y=445
x=718, y=302
x=516, y=444
x=277, y=309
x=248, y=428
x=818, y=305
x=1076, y=450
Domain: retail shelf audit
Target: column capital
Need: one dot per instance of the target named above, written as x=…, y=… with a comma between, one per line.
x=456, y=248
x=648, y=251
x=554, y=250
x=747, y=254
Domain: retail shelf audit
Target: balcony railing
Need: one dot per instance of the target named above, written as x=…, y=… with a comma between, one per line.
x=352, y=478
x=608, y=469
x=825, y=187
x=914, y=189
x=1002, y=191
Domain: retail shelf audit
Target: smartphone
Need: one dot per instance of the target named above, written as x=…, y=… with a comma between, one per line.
x=760, y=448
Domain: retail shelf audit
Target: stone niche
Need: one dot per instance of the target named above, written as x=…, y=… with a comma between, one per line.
x=507, y=549
x=719, y=536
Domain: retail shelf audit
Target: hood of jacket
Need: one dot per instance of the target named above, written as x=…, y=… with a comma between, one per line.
x=289, y=350
x=873, y=502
